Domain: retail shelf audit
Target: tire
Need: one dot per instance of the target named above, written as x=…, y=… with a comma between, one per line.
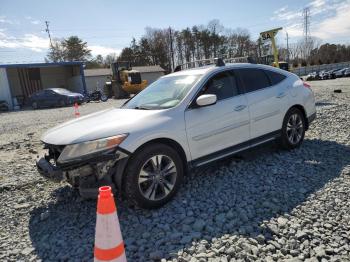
x=4, y=108
x=35, y=105
x=293, y=129
x=146, y=188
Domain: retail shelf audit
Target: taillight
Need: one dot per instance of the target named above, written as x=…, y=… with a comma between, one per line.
x=307, y=85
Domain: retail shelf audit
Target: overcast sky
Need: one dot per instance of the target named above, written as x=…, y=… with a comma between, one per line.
x=108, y=26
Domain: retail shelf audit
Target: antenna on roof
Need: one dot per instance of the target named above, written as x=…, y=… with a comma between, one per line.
x=219, y=62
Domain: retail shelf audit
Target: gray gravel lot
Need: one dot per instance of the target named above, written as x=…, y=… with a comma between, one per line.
x=265, y=205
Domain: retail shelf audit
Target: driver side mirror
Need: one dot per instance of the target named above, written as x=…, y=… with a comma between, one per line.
x=206, y=100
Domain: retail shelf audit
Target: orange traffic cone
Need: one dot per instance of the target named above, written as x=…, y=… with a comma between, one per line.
x=76, y=110
x=109, y=245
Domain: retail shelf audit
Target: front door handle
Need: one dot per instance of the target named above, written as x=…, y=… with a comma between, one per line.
x=240, y=107
x=280, y=95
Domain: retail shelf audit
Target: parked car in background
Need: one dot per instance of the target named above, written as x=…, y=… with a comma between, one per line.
x=4, y=106
x=347, y=72
x=311, y=76
x=317, y=76
x=331, y=74
x=323, y=75
x=340, y=72
x=52, y=97
x=185, y=119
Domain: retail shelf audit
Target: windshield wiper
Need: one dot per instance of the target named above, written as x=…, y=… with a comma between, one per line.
x=142, y=107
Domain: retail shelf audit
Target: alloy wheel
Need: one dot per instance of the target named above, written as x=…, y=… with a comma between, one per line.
x=157, y=177
x=295, y=129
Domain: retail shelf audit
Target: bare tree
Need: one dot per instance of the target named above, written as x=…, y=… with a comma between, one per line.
x=109, y=59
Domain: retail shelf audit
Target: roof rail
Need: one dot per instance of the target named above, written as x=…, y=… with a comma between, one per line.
x=199, y=63
x=242, y=59
x=216, y=61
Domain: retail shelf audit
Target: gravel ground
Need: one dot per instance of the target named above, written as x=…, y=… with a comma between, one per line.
x=265, y=205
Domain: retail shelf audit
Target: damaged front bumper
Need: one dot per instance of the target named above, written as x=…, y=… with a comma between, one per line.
x=88, y=174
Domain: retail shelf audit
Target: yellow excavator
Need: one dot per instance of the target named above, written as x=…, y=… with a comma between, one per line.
x=125, y=80
x=269, y=60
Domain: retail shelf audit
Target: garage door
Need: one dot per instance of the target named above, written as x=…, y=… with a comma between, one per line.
x=30, y=80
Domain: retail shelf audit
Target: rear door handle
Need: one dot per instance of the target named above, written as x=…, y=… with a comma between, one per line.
x=240, y=107
x=280, y=95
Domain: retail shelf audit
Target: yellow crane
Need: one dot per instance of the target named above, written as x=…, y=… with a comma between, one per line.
x=270, y=35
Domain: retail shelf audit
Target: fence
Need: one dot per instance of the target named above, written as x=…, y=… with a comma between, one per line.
x=302, y=71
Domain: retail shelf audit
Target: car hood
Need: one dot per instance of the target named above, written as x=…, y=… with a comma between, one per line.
x=98, y=125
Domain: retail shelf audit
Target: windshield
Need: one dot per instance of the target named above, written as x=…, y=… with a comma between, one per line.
x=164, y=93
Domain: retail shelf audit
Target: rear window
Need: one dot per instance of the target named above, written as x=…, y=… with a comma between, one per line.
x=275, y=77
x=253, y=79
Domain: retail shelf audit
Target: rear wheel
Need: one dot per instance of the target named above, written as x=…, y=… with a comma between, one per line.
x=153, y=176
x=293, y=129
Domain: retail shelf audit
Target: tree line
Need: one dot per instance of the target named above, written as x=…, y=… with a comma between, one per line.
x=169, y=47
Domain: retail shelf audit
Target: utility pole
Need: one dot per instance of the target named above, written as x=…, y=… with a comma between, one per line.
x=48, y=32
x=287, y=47
x=306, y=30
x=171, y=48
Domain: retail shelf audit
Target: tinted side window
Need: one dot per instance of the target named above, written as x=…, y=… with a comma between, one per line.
x=49, y=93
x=40, y=93
x=275, y=77
x=253, y=79
x=223, y=85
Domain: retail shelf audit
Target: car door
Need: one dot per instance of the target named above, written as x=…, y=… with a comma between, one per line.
x=51, y=98
x=216, y=128
x=39, y=98
x=266, y=100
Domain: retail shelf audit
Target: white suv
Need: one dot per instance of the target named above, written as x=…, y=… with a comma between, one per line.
x=183, y=120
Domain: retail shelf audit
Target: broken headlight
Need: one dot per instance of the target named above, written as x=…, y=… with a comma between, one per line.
x=85, y=149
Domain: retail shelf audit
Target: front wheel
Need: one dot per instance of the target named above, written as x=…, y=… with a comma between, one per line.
x=153, y=176
x=293, y=129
